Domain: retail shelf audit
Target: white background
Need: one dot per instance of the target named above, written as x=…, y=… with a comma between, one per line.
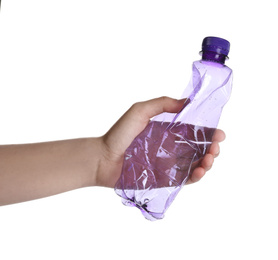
x=71, y=68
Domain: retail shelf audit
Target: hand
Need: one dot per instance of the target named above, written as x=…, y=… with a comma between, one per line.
x=134, y=121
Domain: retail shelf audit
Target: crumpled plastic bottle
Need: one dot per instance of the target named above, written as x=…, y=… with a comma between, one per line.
x=161, y=159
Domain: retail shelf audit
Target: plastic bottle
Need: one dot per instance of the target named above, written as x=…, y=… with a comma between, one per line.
x=161, y=159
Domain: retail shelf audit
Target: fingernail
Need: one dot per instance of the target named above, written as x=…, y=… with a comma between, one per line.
x=216, y=154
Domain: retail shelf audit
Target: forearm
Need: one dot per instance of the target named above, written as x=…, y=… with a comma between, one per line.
x=32, y=171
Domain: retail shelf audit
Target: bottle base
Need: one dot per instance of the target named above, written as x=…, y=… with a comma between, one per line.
x=152, y=204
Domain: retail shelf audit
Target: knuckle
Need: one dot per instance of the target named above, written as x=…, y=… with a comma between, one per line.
x=164, y=99
x=137, y=108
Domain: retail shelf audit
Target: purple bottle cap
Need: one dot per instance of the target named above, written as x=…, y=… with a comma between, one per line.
x=217, y=45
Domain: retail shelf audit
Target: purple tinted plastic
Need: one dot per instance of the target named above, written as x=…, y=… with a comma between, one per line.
x=217, y=45
x=212, y=56
x=162, y=158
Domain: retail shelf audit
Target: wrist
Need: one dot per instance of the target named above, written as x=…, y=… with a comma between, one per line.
x=109, y=165
x=93, y=152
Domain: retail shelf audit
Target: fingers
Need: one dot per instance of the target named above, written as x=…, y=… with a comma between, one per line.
x=214, y=149
x=207, y=161
x=197, y=175
x=137, y=117
x=151, y=108
x=199, y=172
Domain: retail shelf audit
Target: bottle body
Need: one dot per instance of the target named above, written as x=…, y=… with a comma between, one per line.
x=161, y=159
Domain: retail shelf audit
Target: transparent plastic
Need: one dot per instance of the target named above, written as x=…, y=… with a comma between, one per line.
x=161, y=159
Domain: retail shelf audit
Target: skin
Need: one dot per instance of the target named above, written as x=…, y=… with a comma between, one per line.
x=33, y=171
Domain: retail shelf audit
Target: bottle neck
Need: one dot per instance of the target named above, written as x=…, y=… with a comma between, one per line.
x=213, y=56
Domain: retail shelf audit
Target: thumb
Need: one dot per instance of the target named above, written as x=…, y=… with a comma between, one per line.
x=153, y=107
x=136, y=119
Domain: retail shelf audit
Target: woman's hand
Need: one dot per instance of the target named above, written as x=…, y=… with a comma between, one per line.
x=133, y=122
